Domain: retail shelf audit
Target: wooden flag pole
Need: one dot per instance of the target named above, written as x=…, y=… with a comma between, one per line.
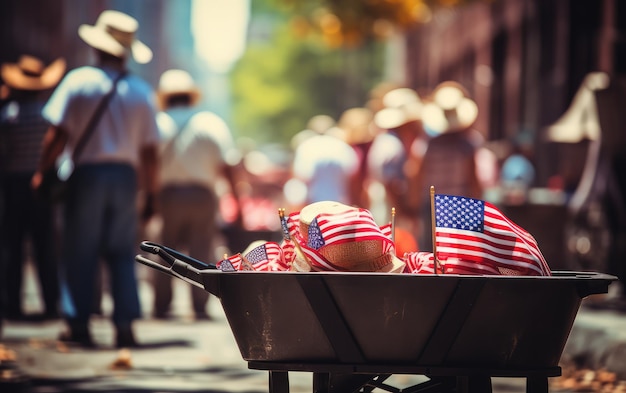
x=246, y=263
x=433, y=230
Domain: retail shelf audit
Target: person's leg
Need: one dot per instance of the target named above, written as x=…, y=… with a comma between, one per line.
x=4, y=230
x=172, y=215
x=84, y=214
x=119, y=248
x=15, y=235
x=45, y=255
x=201, y=236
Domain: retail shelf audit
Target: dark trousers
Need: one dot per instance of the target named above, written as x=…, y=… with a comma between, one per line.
x=25, y=217
x=188, y=213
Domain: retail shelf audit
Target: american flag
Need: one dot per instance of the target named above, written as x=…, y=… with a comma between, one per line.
x=289, y=252
x=424, y=263
x=473, y=230
x=284, y=225
x=231, y=263
x=266, y=257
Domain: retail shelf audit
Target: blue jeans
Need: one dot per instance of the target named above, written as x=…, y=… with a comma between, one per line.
x=100, y=224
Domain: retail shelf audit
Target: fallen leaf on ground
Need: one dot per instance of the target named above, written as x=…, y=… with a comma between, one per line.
x=123, y=361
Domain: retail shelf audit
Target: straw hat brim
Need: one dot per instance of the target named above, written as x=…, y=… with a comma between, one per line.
x=100, y=39
x=440, y=121
x=390, y=118
x=14, y=77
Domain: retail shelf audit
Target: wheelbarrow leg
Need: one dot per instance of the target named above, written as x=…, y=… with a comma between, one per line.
x=474, y=384
x=279, y=382
x=321, y=382
x=537, y=385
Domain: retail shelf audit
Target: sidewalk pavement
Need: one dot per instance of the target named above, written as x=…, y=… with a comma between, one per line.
x=182, y=355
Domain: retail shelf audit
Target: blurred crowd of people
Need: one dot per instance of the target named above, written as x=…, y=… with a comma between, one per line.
x=130, y=152
x=386, y=155
x=139, y=153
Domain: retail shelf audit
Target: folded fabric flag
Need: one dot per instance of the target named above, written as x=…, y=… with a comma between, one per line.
x=266, y=257
x=231, y=263
x=343, y=228
x=473, y=230
x=424, y=262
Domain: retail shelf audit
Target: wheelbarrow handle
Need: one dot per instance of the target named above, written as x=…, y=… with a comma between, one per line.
x=170, y=255
x=178, y=269
x=178, y=265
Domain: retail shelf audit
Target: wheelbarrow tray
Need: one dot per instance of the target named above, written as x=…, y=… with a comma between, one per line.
x=362, y=318
x=496, y=322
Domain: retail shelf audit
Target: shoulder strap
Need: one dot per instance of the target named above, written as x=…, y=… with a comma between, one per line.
x=95, y=118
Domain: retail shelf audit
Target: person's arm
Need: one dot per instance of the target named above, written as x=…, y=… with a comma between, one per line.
x=54, y=142
x=149, y=166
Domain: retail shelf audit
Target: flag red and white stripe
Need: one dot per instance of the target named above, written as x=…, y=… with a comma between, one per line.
x=424, y=263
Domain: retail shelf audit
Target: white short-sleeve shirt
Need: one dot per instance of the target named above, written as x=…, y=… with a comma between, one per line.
x=197, y=155
x=127, y=124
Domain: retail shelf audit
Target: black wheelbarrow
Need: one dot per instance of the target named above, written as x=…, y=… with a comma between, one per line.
x=354, y=330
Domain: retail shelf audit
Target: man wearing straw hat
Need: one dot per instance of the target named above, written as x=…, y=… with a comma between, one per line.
x=120, y=150
x=449, y=162
x=196, y=150
x=22, y=128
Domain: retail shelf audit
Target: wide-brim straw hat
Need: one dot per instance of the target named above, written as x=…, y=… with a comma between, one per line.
x=177, y=82
x=401, y=106
x=114, y=33
x=30, y=73
x=357, y=124
x=450, y=109
x=369, y=255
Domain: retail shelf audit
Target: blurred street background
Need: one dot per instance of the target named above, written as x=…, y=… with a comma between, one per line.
x=547, y=76
x=544, y=74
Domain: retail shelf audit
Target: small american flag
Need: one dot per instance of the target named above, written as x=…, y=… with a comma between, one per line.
x=231, y=263
x=473, y=230
x=266, y=257
x=284, y=225
x=289, y=252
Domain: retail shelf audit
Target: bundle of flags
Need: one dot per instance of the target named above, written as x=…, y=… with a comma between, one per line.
x=471, y=237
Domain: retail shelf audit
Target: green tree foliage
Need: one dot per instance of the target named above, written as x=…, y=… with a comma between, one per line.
x=286, y=76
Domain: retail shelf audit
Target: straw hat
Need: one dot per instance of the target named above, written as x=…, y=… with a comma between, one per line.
x=401, y=106
x=356, y=122
x=450, y=110
x=30, y=73
x=177, y=82
x=369, y=255
x=114, y=33
x=396, y=98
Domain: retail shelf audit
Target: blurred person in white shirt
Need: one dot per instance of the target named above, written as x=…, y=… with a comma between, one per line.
x=195, y=146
